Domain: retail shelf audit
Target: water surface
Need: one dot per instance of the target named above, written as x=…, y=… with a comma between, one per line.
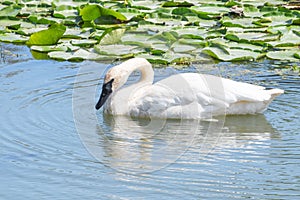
x=53, y=145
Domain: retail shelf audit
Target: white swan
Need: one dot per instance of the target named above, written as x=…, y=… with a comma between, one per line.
x=186, y=95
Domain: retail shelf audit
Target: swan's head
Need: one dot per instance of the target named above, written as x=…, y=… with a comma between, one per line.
x=117, y=76
x=114, y=79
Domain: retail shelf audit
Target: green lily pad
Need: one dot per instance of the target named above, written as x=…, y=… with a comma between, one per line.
x=78, y=55
x=190, y=32
x=231, y=54
x=13, y=38
x=92, y=12
x=236, y=45
x=239, y=22
x=141, y=40
x=252, y=11
x=193, y=42
x=49, y=48
x=292, y=55
x=77, y=33
x=47, y=37
x=44, y=20
x=152, y=28
x=8, y=22
x=146, y=6
x=167, y=21
x=63, y=14
x=162, y=47
x=154, y=59
x=178, y=58
x=211, y=9
x=83, y=42
x=117, y=49
x=180, y=48
x=111, y=36
x=131, y=13
x=9, y=12
x=177, y=4
x=252, y=37
x=29, y=31
x=287, y=40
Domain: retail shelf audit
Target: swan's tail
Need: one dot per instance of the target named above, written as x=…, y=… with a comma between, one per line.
x=275, y=92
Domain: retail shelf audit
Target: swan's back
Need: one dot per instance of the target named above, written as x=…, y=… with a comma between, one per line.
x=192, y=95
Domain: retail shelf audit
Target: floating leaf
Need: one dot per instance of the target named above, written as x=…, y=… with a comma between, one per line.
x=92, y=12
x=78, y=55
x=63, y=14
x=288, y=39
x=47, y=37
x=231, y=54
x=177, y=4
x=83, y=42
x=117, y=49
x=292, y=55
x=9, y=12
x=141, y=40
x=252, y=37
x=13, y=38
x=180, y=48
x=131, y=13
x=239, y=22
x=154, y=59
x=111, y=36
x=236, y=45
x=49, y=48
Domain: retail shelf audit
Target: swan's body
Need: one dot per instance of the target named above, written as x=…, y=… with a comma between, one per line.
x=187, y=95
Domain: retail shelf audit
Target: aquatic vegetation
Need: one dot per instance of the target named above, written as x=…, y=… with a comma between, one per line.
x=162, y=31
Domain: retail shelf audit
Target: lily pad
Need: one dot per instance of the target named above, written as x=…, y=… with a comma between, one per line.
x=141, y=40
x=117, y=49
x=49, y=48
x=180, y=48
x=83, y=42
x=92, y=12
x=231, y=54
x=13, y=38
x=239, y=22
x=47, y=37
x=154, y=59
x=78, y=55
x=287, y=39
x=9, y=12
x=252, y=37
x=292, y=55
x=111, y=36
x=236, y=45
x=63, y=14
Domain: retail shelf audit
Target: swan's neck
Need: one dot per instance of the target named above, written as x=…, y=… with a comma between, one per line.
x=139, y=64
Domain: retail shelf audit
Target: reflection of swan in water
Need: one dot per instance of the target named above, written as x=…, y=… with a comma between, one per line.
x=186, y=95
x=128, y=144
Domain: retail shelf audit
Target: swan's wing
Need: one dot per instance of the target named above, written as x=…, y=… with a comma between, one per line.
x=182, y=95
x=152, y=100
x=225, y=90
x=189, y=95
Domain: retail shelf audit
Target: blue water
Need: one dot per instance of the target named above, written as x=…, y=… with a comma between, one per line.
x=53, y=145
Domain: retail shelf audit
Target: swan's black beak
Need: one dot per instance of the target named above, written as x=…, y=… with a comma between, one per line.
x=106, y=91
